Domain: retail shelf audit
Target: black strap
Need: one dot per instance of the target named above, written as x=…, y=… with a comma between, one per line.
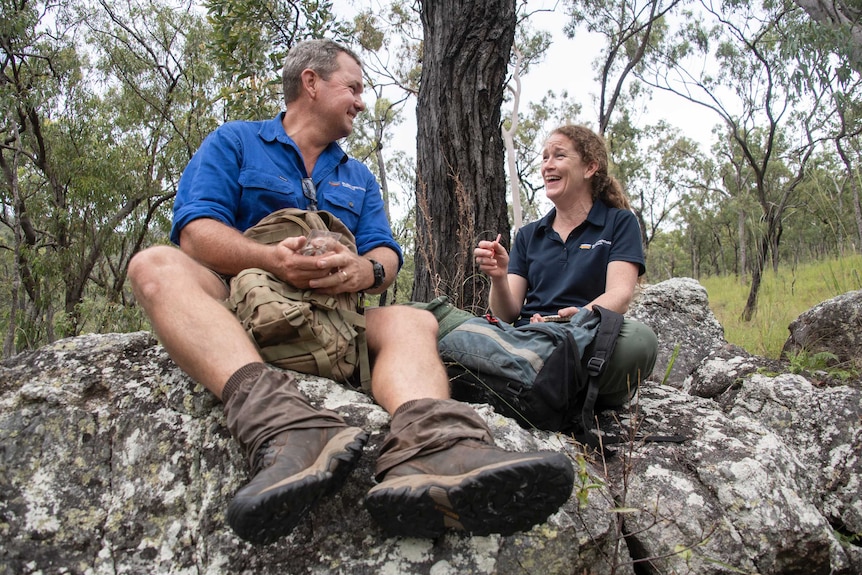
x=605, y=341
x=616, y=439
x=603, y=347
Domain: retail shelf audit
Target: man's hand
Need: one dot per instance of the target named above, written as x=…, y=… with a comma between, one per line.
x=336, y=271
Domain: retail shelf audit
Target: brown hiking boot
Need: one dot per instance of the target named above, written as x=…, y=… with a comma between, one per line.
x=297, y=452
x=472, y=487
x=465, y=483
x=292, y=471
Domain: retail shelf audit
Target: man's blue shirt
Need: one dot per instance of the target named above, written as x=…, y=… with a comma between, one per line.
x=573, y=273
x=244, y=171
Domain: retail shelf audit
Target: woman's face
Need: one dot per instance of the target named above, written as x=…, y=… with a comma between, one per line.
x=563, y=171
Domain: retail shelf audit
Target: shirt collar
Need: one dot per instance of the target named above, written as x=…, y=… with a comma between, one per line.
x=273, y=130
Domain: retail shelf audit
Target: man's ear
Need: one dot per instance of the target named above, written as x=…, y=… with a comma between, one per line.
x=310, y=81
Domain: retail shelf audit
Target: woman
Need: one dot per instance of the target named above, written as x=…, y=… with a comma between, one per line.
x=586, y=251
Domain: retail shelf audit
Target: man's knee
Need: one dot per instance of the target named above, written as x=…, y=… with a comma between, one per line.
x=146, y=266
x=160, y=271
x=394, y=321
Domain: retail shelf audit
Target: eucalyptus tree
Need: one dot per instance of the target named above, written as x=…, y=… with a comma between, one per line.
x=670, y=166
x=829, y=70
x=821, y=223
x=460, y=191
x=39, y=75
x=104, y=104
x=250, y=39
x=752, y=89
x=63, y=189
x=630, y=29
x=845, y=18
x=158, y=103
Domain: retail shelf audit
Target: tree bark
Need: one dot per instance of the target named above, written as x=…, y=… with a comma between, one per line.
x=460, y=187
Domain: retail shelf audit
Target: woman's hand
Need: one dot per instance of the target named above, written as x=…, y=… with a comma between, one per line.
x=492, y=258
x=564, y=314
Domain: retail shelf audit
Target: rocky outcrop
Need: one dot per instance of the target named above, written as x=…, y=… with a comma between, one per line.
x=833, y=327
x=113, y=461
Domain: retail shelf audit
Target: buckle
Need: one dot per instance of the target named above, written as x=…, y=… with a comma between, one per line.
x=515, y=389
x=595, y=365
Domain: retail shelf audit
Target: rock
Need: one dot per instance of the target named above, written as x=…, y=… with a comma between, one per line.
x=834, y=326
x=113, y=461
x=678, y=312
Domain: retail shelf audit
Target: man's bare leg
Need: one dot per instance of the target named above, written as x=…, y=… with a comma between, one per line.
x=402, y=342
x=297, y=452
x=438, y=467
x=183, y=301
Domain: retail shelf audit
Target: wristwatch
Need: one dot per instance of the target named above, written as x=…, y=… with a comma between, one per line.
x=379, y=274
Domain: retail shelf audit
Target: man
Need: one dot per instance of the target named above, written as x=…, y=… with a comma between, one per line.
x=438, y=466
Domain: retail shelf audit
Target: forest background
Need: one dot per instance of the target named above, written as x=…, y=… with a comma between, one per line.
x=103, y=103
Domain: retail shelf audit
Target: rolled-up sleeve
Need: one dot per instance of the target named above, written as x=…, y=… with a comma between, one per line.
x=209, y=186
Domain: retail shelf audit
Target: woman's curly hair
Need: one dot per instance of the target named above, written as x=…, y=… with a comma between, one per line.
x=592, y=148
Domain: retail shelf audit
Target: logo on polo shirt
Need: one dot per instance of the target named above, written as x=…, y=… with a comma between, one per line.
x=595, y=245
x=346, y=185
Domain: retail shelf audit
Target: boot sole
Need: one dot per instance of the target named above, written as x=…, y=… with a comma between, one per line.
x=263, y=514
x=503, y=498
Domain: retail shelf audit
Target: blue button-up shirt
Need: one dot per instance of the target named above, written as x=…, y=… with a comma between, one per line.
x=573, y=272
x=244, y=171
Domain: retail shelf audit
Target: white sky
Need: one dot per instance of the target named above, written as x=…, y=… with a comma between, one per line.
x=567, y=66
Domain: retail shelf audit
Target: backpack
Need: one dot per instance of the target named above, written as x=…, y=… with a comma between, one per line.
x=297, y=329
x=544, y=375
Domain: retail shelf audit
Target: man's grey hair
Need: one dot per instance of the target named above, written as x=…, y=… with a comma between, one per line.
x=318, y=55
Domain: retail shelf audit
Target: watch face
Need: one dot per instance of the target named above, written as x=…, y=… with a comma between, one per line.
x=379, y=273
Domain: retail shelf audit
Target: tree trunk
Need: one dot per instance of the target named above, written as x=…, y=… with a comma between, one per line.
x=769, y=240
x=854, y=187
x=857, y=210
x=756, y=277
x=460, y=182
x=743, y=253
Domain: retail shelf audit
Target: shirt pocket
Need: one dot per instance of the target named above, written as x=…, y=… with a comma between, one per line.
x=262, y=194
x=345, y=204
x=254, y=181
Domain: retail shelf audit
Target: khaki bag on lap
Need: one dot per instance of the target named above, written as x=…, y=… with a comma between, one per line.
x=299, y=329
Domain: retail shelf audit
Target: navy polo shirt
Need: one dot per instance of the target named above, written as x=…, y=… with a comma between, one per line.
x=244, y=171
x=573, y=273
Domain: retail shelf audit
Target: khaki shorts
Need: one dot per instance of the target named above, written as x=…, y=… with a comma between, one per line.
x=225, y=280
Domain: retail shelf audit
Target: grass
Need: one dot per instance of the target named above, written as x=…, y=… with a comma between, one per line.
x=783, y=297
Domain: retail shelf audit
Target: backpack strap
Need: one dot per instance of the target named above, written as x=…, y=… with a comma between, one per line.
x=357, y=319
x=603, y=347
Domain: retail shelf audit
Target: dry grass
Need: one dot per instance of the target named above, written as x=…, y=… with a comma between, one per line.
x=783, y=297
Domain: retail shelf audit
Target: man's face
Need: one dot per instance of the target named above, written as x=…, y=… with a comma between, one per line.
x=341, y=96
